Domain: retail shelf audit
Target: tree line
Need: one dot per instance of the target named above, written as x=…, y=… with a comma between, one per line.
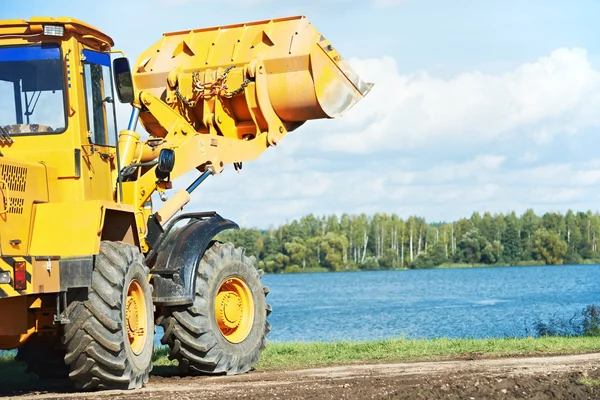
x=382, y=241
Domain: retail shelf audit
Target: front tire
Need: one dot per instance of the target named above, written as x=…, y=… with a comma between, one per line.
x=224, y=330
x=109, y=339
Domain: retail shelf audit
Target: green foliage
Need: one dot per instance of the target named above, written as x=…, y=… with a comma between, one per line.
x=511, y=243
x=382, y=241
x=572, y=257
x=370, y=263
x=292, y=269
x=389, y=259
x=431, y=259
x=476, y=248
x=584, y=323
x=591, y=320
x=548, y=247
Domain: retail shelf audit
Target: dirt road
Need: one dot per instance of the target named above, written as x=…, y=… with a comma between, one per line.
x=556, y=377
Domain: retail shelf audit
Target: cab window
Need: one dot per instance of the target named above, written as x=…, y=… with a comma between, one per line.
x=32, y=98
x=99, y=98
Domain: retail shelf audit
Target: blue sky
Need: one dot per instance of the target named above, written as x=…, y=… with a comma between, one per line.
x=477, y=106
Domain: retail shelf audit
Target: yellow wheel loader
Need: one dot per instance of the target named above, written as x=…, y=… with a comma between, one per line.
x=88, y=265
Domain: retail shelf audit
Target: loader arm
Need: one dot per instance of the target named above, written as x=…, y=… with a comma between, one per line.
x=195, y=150
x=224, y=95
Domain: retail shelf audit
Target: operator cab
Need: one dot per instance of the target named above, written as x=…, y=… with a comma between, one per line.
x=39, y=85
x=57, y=104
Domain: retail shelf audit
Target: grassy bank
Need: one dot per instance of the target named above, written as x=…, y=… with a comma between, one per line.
x=306, y=355
x=300, y=355
x=303, y=355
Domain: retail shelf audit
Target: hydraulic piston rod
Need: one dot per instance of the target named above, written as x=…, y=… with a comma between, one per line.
x=180, y=199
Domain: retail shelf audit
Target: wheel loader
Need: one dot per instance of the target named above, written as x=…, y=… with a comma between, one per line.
x=88, y=263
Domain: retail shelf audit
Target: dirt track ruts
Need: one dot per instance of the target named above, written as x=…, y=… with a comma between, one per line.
x=557, y=377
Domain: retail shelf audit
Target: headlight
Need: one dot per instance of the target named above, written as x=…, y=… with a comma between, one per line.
x=4, y=277
x=54, y=30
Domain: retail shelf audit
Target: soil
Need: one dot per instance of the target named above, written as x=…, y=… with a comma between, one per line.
x=555, y=377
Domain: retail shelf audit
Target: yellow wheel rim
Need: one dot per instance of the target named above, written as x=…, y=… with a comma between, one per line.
x=136, y=317
x=234, y=309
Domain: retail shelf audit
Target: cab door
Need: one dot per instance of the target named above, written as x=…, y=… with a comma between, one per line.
x=98, y=154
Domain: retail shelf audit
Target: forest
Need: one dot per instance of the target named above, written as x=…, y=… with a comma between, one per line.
x=382, y=241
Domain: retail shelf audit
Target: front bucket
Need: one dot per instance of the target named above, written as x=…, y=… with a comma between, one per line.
x=307, y=78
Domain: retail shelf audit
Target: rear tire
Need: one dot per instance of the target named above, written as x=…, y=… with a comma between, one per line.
x=193, y=333
x=109, y=339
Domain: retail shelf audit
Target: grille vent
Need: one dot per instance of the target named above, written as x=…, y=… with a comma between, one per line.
x=16, y=206
x=15, y=177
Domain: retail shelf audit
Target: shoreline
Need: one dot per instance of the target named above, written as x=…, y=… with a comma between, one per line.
x=442, y=266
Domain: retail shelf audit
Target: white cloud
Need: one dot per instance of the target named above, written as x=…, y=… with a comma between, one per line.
x=528, y=157
x=261, y=195
x=557, y=94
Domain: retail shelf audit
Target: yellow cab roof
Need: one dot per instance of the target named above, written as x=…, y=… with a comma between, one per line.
x=73, y=25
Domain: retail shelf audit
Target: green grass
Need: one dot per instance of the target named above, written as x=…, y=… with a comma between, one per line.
x=313, y=354
x=593, y=383
x=301, y=355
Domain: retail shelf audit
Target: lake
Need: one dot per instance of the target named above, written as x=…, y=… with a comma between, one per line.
x=467, y=303
x=456, y=303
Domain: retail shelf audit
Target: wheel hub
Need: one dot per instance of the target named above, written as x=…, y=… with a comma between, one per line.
x=132, y=317
x=234, y=309
x=231, y=308
x=135, y=317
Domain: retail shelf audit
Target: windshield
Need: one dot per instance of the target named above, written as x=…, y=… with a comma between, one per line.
x=31, y=90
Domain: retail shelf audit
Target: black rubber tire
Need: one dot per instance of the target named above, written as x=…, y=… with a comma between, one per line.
x=45, y=358
x=97, y=346
x=192, y=332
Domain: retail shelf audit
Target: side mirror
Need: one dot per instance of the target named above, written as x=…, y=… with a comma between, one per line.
x=123, y=80
x=166, y=162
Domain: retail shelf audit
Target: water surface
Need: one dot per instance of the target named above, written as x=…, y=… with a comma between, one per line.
x=467, y=303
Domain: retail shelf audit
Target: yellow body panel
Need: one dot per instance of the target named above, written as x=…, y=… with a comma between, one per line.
x=78, y=230
x=21, y=185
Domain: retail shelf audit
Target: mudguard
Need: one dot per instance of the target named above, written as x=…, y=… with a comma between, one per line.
x=178, y=255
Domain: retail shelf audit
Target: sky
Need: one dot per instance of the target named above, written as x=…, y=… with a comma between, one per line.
x=477, y=106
